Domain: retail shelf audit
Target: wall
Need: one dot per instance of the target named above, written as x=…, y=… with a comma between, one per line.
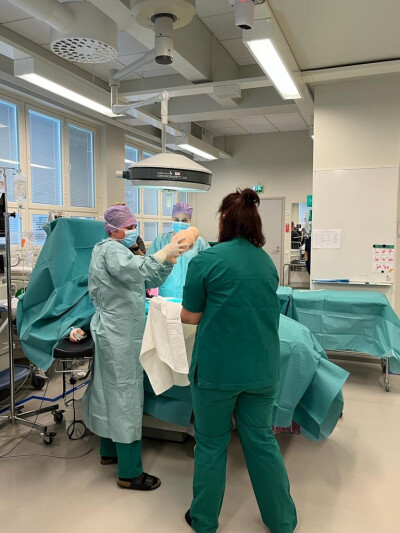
x=282, y=162
x=357, y=125
x=112, y=157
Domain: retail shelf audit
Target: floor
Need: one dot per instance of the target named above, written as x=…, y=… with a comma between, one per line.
x=347, y=484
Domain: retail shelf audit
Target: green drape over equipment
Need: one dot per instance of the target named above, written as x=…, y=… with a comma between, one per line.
x=352, y=320
x=57, y=296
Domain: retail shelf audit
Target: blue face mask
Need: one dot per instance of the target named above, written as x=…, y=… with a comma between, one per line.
x=178, y=226
x=131, y=236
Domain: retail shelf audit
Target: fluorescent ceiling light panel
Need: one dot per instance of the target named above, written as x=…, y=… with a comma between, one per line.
x=263, y=46
x=41, y=166
x=196, y=151
x=9, y=161
x=65, y=85
x=196, y=146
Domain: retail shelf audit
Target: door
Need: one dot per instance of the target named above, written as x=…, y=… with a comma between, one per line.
x=272, y=211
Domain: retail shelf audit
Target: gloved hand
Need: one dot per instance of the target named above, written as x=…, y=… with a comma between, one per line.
x=77, y=331
x=171, y=251
x=175, y=249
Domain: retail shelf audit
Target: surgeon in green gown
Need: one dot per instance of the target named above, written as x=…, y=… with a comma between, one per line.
x=181, y=219
x=113, y=402
x=230, y=292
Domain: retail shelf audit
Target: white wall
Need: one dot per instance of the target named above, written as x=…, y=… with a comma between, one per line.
x=282, y=162
x=112, y=147
x=357, y=125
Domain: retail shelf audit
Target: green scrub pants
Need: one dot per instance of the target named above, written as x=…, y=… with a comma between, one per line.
x=129, y=457
x=213, y=411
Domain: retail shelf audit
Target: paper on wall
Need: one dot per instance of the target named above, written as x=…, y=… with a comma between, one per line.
x=327, y=238
x=383, y=258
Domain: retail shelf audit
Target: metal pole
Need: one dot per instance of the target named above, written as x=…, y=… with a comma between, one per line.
x=9, y=300
x=164, y=120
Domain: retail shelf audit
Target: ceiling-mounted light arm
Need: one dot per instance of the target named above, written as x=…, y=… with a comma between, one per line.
x=145, y=60
x=164, y=120
x=119, y=109
x=116, y=75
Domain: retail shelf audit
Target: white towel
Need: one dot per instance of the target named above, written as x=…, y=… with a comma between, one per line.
x=167, y=346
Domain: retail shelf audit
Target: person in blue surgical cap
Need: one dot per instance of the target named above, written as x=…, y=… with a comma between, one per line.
x=113, y=401
x=181, y=219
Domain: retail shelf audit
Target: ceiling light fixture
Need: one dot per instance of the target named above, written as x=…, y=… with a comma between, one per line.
x=74, y=89
x=189, y=143
x=263, y=42
x=196, y=151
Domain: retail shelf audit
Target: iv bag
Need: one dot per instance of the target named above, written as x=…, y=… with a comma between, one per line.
x=20, y=188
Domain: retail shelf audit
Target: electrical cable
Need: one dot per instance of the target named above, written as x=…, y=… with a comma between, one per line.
x=32, y=428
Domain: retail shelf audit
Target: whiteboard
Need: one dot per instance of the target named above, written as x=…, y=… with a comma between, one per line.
x=362, y=203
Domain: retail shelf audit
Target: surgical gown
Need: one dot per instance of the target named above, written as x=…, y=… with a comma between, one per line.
x=113, y=402
x=173, y=287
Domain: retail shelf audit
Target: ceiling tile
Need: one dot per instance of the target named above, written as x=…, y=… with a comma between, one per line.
x=128, y=45
x=209, y=8
x=35, y=30
x=287, y=118
x=221, y=123
x=251, y=121
x=237, y=130
x=237, y=49
x=297, y=126
x=246, y=61
x=9, y=12
x=223, y=26
x=261, y=128
x=328, y=34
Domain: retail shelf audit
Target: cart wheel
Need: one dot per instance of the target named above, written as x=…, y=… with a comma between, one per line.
x=387, y=385
x=38, y=382
x=76, y=430
x=58, y=417
x=48, y=438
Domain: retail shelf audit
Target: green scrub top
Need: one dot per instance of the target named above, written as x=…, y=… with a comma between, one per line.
x=234, y=285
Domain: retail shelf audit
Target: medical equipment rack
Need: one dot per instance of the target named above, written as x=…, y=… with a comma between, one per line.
x=17, y=416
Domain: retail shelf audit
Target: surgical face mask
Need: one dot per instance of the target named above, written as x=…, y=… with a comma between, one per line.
x=131, y=236
x=178, y=226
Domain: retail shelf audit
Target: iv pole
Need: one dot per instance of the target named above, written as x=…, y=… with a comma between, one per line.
x=16, y=415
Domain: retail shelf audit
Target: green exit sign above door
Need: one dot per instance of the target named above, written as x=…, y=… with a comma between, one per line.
x=258, y=188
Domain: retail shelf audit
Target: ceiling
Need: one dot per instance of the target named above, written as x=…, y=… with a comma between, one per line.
x=259, y=124
x=320, y=34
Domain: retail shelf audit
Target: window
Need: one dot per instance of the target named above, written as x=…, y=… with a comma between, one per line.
x=57, y=158
x=45, y=159
x=150, y=231
x=15, y=230
x=81, y=167
x=150, y=202
x=38, y=221
x=9, y=142
x=131, y=192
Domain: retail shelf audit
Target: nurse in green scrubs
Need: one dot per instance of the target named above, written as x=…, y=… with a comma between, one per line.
x=230, y=293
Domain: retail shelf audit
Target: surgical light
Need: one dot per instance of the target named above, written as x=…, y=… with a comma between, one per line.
x=68, y=87
x=261, y=43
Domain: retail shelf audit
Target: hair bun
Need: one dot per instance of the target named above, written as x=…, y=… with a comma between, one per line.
x=250, y=197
